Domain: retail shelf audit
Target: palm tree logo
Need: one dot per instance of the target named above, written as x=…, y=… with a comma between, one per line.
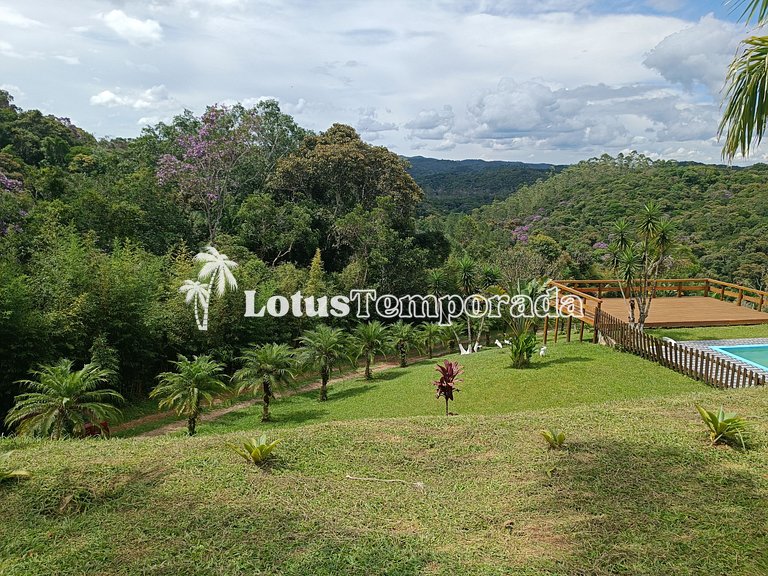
x=217, y=272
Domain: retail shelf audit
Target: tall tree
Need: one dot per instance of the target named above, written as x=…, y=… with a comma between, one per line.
x=638, y=256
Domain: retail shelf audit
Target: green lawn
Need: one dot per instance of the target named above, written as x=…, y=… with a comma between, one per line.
x=570, y=375
x=712, y=333
x=638, y=492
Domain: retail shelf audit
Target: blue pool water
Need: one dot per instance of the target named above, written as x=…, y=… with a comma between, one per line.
x=755, y=354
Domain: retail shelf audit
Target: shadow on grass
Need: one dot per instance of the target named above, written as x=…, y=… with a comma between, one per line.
x=645, y=508
x=539, y=364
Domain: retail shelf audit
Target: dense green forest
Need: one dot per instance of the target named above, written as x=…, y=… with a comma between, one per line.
x=463, y=185
x=97, y=236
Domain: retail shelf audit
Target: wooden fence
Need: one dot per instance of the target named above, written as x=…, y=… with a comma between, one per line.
x=726, y=291
x=695, y=363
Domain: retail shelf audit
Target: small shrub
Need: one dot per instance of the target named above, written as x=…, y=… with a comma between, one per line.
x=255, y=451
x=7, y=472
x=446, y=386
x=522, y=341
x=725, y=428
x=554, y=437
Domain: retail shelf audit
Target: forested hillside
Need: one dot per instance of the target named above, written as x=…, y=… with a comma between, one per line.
x=463, y=185
x=720, y=215
x=98, y=236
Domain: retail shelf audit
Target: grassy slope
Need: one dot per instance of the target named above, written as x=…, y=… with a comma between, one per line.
x=571, y=374
x=638, y=492
x=713, y=333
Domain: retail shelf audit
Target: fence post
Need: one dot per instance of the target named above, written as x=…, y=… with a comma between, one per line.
x=596, y=323
x=706, y=287
x=741, y=297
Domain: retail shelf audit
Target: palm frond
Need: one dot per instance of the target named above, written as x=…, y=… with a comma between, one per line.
x=746, y=99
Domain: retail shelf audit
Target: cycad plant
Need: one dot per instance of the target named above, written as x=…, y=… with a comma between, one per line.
x=63, y=401
x=323, y=348
x=193, y=386
x=265, y=368
x=403, y=337
x=369, y=339
x=431, y=333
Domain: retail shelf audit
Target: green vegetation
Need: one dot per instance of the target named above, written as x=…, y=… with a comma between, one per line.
x=570, y=375
x=463, y=185
x=628, y=493
x=265, y=369
x=725, y=428
x=555, y=438
x=256, y=451
x=64, y=401
x=712, y=333
x=7, y=471
x=193, y=386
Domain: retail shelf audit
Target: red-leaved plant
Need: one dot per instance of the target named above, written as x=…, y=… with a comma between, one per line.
x=446, y=386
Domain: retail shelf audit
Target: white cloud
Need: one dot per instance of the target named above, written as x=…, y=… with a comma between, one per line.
x=699, y=54
x=547, y=80
x=138, y=32
x=153, y=98
x=13, y=18
x=71, y=60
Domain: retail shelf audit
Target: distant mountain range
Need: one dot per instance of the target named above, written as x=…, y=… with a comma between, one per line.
x=463, y=185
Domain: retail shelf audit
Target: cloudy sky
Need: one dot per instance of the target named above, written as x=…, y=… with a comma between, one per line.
x=529, y=80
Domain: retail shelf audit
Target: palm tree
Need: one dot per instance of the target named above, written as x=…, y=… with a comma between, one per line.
x=63, y=401
x=217, y=270
x=193, y=385
x=431, y=333
x=403, y=337
x=198, y=293
x=323, y=348
x=265, y=368
x=370, y=339
x=637, y=263
x=745, y=102
x=467, y=271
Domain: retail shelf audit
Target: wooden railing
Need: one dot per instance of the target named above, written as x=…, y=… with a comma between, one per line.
x=726, y=291
x=695, y=363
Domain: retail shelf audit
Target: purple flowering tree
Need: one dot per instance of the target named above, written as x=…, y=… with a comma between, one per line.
x=205, y=167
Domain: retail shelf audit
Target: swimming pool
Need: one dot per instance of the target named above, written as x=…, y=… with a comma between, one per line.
x=754, y=354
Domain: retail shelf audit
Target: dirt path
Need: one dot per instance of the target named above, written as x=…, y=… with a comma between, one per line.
x=219, y=412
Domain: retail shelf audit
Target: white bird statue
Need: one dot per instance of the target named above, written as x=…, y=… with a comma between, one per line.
x=543, y=351
x=499, y=344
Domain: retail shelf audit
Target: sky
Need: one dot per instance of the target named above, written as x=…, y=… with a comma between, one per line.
x=527, y=80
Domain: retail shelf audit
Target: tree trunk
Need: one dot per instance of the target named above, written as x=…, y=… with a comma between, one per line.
x=446, y=407
x=267, y=394
x=192, y=424
x=403, y=356
x=324, y=377
x=368, y=374
x=429, y=349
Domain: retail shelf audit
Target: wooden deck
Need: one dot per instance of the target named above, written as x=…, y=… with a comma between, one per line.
x=688, y=312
